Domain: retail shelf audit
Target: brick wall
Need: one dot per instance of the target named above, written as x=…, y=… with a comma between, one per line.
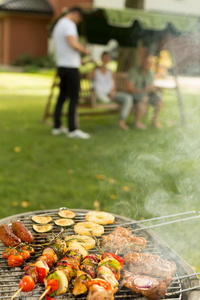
x=61, y=4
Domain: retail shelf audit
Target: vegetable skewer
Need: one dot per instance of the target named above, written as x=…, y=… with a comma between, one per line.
x=36, y=272
x=57, y=281
x=87, y=272
x=108, y=274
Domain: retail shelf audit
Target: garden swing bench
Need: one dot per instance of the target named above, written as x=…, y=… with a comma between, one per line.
x=88, y=106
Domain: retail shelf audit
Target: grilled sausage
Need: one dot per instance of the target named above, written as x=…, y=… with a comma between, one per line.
x=7, y=237
x=22, y=232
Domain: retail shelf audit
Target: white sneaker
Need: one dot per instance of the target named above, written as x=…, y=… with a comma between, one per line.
x=57, y=131
x=78, y=134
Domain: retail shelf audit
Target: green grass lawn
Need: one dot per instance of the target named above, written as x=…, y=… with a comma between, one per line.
x=138, y=174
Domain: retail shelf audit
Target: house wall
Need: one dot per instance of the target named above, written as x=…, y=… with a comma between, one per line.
x=5, y=40
x=59, y=5
x=23, y=35
x=1, y=41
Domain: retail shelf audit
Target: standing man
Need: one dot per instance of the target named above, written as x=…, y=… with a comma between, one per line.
x=140, y=85
x=68, y=49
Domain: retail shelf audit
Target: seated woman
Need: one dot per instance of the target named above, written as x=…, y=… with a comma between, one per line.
x=105, y=89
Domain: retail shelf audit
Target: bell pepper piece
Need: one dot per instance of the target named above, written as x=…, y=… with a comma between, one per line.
x=118, y=258
x=106, y=285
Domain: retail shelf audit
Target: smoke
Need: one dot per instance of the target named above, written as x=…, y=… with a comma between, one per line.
x=168, y=182
x=185, y=50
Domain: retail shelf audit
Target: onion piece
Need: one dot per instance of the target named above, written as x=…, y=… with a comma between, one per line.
x=142, y=282
x=63, y=283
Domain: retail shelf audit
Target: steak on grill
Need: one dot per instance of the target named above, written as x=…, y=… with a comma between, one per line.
x=121, y=239
x=151, y=288
x=149, y=264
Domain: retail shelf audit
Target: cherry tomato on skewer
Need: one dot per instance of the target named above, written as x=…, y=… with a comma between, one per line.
x=27, y=284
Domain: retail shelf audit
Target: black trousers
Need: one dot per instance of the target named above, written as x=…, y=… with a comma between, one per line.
x=69, y=88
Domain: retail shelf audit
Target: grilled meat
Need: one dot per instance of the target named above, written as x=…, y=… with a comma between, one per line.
x=151, y=288
x=80, y=283
x=7, y=237
x=121, y=239
x=22, y=232
x=149, y=264
x=99, y=293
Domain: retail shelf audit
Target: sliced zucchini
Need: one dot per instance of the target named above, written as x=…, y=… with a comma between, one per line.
x=64, y=222
x=66, y=213
x=41, y=219
x=43, y=228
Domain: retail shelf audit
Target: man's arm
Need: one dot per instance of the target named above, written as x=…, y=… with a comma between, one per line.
x=150, y=89
x=131, y=88
x=74, y=43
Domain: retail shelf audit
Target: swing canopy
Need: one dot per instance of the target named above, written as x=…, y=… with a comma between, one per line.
x=129, y=25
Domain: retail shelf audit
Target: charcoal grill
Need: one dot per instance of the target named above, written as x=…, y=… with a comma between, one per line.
x=9, y=277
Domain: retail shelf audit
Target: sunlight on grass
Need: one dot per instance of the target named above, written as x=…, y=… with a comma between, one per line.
x=25, y=84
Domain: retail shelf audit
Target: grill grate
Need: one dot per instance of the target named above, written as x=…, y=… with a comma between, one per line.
x=9, y=277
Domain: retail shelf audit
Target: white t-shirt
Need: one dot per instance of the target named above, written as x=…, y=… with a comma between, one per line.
x=66, y=56
x=103, y=83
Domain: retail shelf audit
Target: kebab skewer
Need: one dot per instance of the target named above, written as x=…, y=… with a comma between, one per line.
x=108, y=275
x=56, y=283
x=87, y=272
x=36, y=272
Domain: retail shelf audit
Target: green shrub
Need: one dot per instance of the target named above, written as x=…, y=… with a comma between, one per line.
x=34, y=63
x=22, y=60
